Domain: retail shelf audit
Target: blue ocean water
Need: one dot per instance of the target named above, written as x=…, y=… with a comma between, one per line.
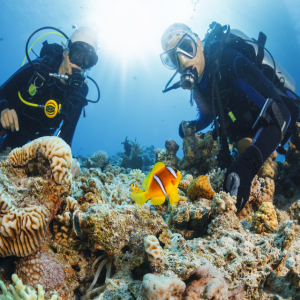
x=129, y=72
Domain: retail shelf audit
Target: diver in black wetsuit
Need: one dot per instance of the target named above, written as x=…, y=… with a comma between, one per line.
x=236, y=83
x=21, y=119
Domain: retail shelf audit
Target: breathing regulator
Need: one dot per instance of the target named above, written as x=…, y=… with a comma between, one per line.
x=76, y=80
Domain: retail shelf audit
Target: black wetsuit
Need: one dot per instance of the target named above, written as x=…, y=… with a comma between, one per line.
x=244, y=89
x=33, y=122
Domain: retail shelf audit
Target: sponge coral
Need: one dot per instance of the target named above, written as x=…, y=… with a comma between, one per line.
x=200, y=187
x=265, y=219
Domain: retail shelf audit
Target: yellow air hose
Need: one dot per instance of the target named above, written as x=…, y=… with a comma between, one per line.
x=51, y=109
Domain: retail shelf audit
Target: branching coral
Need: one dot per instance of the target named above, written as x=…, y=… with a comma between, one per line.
x=116, y=192
x=137, y=175
x=55, y=149
x=21, y=291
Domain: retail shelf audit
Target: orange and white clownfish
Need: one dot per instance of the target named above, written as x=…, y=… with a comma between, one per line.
x=160, y=183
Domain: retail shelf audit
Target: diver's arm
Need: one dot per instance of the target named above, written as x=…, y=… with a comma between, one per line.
x=202, y=120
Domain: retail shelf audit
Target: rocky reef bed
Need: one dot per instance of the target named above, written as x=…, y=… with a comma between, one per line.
x=83, y=238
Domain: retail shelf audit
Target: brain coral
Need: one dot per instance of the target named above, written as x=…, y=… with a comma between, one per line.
x=153, y=249
x=40, y=268
x=55, y=149
x=21, y=229
x=200, y=187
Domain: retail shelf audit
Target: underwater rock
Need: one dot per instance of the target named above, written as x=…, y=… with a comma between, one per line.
x=189, y=219
x=262, y=190
x=210, y=285
x=119, y=230
x=168, y=155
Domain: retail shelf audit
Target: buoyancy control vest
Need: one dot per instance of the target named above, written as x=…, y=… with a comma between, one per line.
x=219, y=37
x=51, y=56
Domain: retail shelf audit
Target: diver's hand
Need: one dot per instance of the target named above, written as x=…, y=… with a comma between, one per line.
x=239, y=176
x=187, y=128
x=9, y=119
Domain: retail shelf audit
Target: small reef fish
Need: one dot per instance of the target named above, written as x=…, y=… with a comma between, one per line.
x=160, y=183
x=136, y=189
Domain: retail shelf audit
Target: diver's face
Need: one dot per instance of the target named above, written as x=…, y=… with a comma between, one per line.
x=197, y=62
x=67, y=65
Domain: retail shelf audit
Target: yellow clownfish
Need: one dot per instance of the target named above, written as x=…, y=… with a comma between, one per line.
x=161, y=182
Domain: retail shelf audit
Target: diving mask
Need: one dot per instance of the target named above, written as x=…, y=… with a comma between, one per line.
x=186, y=46
x=82, y=55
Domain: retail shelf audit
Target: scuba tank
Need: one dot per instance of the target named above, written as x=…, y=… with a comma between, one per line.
x=283, y=76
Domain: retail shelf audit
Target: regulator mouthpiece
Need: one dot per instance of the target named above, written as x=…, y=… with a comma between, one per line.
x=188, y=80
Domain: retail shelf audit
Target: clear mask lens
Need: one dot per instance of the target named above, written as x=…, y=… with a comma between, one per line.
x=186, y=46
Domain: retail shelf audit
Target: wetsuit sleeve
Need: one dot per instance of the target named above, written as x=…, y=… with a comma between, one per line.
x=69, y=124
x=203, y=119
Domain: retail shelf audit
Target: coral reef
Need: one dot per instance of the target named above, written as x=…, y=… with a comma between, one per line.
x=159, y=287
x=265, y=219
x=21, y=291
x=168, y=155
x=199, y=151
x=153, y=249
x=132, y=158
x=40, y=268
x=22, y=229
x=223, y=202
x=55, y=149
x=97, y=160
x=87, y=239
x=200, y=187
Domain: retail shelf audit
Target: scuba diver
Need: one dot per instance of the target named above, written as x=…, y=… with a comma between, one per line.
x=236, y=84
x=50, y=91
